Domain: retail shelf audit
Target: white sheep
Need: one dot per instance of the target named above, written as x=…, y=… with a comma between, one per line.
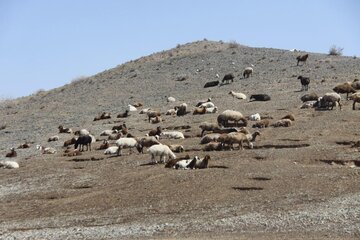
x=211, y=110
x=145, y=110
x=127, y=143
x=131, y=108
x=46, y=150
x=111, y=150
x=255, y=117
x=238, y=95
x=207, y=105
x=186, y=163
x=173, y=134
x=308, y=104
x=171, y=99
x=108, y=132
x=9, y=164
x=161, y=150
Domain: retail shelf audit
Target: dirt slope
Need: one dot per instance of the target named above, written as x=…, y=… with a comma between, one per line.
x=298, y=182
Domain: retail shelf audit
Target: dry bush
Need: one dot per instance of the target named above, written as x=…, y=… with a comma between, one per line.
x=233, y=44
x=335, y=51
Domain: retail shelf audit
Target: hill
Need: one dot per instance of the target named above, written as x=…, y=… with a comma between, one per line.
x=283, y=188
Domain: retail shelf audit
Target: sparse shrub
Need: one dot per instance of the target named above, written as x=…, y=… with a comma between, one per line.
x=233, y=44
x=335, y=51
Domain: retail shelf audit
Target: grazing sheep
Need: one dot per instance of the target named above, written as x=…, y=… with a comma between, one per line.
x=201, y=102
x=128, y=143
x=255, y=117
x=104, y=115
x=302, y=58
x=250, y=136
x=238, y=95
x=70, y=142
x=161, y=150
x=64, y=130
x=329, y=100
x=12, y=153
x=46, y=150
x=111, y=150
x=205, y=126
x=308, y=104
x=9, y=164
x=235, y=138
x=309, y=97
x=213, y=146
x=104, y=145
x=171, y=99
x=131, y=108
x=282, y=123
x=248, y=72
x=53, y=138
x=260, y=97
x=211, y=84
x=344, y=88
x=212, y=137
x=173, y=134
x=152, y=114
x=155, y=132
x=305, y=81
x=356, y=98
x=227, y=78
x=176, y=148
x=83, y=141
x=156, y=119
x=124, y=114
x=148, y=141
x=108, y=132
x=261, y=124
x=230, y=115
x=199, y=110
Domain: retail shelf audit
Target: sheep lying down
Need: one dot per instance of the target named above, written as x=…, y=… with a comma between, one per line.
x=195, y=163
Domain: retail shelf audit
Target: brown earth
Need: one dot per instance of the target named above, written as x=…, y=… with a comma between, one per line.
x=299, y=182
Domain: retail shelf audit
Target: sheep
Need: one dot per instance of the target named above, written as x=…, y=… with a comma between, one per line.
x=209, y=138
x=156, y=119
x=104, y=115
x=152, y=114
x=64, y=130
x=308, y=104
x=24, y=145
x=202, y=163
x=228, y=77
x=9, y=164
x=282, y=123
x=148, y=141
x=181, y=110
x=211, y=84
x=205, y=126
x=115, y=136
x=145, y=110
x=111, y=150
x=119, y=127
x=128, y=143
x=108, y=132
x=70, y=142
x=329, y=100
x=171, y=99
x=201, y=102
x=309, y=97
x=289, y=116
x=161, y=150
x=137, y=104
x=211, y=110
x=226, y=130
x=46, y=150
x=53, y=138
x=176, y=148
x=356, y=84
x=248, y=72
x=72, y=153
x=213, y=146
x=199, y=110
x=104, y=145
x=171, y=112
x=255, y=117
x=235, y=138
x=356, y=98
x=173, y=134
x=237, y=95
x=83, y=140
x=230, y=115
x=155, y=132
x=305, y=81
x=260, y=97
x=82, y=132
x=261, y=124
x=250, y=136
x=124, y=114
x=344, y=88
x=207, y=105
x=131, y=108
x=12, y=153
x=302, y=58
x=186, y=163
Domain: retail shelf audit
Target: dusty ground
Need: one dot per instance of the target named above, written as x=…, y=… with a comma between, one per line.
x=299, y=182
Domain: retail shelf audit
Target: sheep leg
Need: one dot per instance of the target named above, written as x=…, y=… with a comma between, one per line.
x=119, y=153
x=354, y=105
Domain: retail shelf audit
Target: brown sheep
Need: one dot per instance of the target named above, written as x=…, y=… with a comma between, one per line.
x=235, y=138
x=282, y=123
x=156, y=119
x=344, y=88
x=213, y=146
x=72, y=153
x=302, y=58
x=289, y=116
x=152, y=114
x=264, y=123
x=199, y=110
x=155, y=132
x=104, y=145
x=69, y=142
x=356, y=98
x=104, y=115
x=64, y=130
x=356, y=84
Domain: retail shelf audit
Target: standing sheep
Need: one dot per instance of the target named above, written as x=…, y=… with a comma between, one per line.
x=161, y=150
x=344, y=88
x=228, y=77
x=248, y=72
x=83, y=140
x=305, y=81
x=230, y=115
x=302, y=58
x=128, y=143
x=356, y=98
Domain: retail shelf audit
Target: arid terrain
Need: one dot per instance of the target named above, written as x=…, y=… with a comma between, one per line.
x=298, y=182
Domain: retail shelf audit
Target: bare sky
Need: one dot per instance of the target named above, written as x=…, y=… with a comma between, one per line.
x=46, y=44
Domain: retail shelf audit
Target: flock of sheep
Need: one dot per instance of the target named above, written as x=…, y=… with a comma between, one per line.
x=229, y=130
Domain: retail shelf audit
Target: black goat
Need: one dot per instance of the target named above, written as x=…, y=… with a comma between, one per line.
x=260, y=97
x=228, y=77
x=83, y=140
x=211, y=84
x=305, y=81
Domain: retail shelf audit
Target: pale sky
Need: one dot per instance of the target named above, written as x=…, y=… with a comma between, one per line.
x=45, y=44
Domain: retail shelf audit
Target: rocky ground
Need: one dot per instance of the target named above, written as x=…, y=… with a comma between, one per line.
x=299, y=182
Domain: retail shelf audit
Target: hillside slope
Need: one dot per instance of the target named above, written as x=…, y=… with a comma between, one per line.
x=283, y=188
